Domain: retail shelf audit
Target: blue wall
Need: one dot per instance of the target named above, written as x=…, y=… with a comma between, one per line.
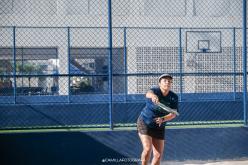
x=23, y=115
x=77, y=148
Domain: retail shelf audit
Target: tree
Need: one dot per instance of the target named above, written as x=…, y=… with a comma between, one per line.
x=28, y=69
x=5, y=69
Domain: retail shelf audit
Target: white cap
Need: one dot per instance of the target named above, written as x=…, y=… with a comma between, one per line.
x=164, y=75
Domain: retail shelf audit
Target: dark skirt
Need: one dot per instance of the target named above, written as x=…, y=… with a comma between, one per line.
x=144, y=129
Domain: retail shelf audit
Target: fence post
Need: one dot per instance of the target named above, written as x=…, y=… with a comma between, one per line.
x=69, y=69
x=125, y=61
x=14, y=62
x=110, y=65
x=244, y=64
x=234, y=64
x=181, y=63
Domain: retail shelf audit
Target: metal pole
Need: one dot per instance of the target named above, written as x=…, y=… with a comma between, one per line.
x=234, y=64
x=181, y=63
x=125, y=60
x=69, y=69
x=14, y=58
x=110, y=65
x=244, y=64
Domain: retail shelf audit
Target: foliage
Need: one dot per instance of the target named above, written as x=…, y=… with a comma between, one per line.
x=85, y=87
x=28, y=68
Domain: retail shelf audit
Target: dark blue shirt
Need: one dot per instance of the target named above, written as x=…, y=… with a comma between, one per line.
x=152, y=111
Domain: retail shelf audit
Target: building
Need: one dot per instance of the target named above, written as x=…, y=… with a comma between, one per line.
x=182, y=37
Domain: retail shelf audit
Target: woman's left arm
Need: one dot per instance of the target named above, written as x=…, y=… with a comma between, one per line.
x=169, y=117
x=160, y=120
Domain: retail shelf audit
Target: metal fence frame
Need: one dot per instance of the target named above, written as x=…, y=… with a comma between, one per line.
x=110, y=74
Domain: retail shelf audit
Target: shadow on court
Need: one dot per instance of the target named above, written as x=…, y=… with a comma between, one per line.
x=121, y=147
x=60, y=148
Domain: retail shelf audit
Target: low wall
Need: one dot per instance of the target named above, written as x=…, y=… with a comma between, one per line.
x=33, y=115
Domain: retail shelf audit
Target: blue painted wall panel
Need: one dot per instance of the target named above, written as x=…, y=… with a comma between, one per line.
x=78, y=114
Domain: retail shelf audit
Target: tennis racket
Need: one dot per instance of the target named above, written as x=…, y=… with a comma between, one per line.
x=167, y=109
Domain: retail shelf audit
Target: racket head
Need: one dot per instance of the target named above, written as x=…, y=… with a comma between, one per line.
x=168, y=109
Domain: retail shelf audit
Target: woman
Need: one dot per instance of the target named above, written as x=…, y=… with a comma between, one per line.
x=151, y=122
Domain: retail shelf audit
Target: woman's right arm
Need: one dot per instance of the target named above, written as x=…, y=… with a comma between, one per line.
x=151, y=95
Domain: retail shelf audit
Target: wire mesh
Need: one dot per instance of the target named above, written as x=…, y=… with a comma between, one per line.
x=55, y=60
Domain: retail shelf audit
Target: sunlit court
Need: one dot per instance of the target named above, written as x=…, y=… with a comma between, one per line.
x=123, y=82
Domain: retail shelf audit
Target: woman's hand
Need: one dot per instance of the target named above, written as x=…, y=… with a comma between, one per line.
x=155, y=99
x=152, y=96
x=160, y=120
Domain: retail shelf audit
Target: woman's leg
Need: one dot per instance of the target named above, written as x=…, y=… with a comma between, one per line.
x=147, y=148
x=158, y=149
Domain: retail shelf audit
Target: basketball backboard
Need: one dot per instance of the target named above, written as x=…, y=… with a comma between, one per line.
x=203, y=41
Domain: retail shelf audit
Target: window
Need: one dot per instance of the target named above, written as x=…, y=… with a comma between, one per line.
x=30, y=62
x=90, y=67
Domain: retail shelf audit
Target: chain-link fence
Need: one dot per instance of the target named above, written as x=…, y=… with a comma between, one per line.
x=66, y=63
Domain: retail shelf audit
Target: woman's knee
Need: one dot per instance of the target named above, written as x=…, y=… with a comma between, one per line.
x=147, y=150
x=157, y=155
